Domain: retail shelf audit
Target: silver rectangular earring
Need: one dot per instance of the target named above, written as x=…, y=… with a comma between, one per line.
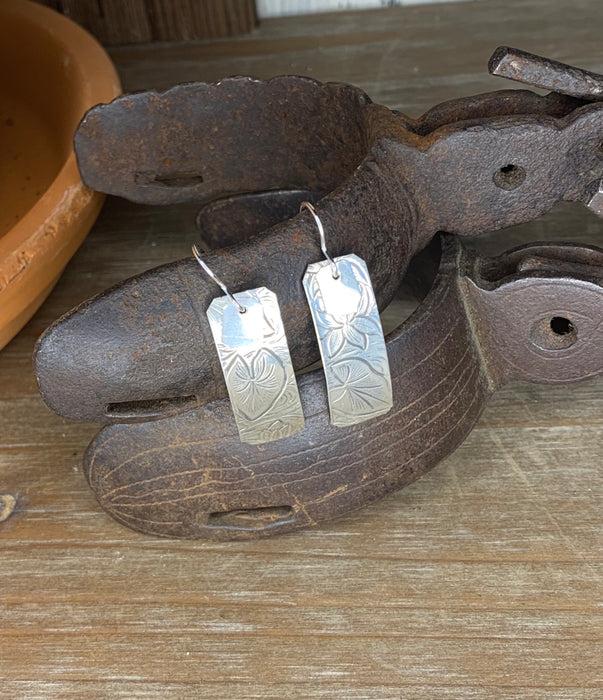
x=350, y=336
x=254, y=355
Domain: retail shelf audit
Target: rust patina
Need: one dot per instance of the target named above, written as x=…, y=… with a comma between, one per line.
x=140, y=356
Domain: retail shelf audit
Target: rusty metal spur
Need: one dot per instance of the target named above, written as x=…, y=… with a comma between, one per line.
x=140, y=357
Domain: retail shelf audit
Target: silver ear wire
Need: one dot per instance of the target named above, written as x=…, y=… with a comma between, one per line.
x=321, y=233
x=216, y=279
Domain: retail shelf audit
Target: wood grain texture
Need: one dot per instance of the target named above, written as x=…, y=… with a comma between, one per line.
x=481, y=580
x=139, y=21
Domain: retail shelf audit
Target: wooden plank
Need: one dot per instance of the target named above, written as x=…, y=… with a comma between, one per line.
x=481, y=580
x=138, y=21
x=280, y=8
x=72, y=690
x=111, y=21
x=186, y=20
x=219, y=659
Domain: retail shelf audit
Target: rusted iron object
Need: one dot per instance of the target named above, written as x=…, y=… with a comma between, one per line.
x=388, y=184
x=544, y=73
x=141, y=356
x=538, y=312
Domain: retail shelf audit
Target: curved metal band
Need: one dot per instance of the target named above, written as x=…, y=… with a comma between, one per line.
x=155, y=480
x=393, y=183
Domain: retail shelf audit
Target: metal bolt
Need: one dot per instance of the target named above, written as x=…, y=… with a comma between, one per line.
x=595, y=203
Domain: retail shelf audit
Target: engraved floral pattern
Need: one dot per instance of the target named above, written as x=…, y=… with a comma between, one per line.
x=258, y=379
x=257, y=366
x=351, y=330
x=355, y=384
x=351, y=342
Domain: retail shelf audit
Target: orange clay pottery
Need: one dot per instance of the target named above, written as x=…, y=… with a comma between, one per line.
x=53, y=71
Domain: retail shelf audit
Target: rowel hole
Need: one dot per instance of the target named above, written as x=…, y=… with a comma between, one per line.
x=561, y=325
x=509, y=177
x=554, y=333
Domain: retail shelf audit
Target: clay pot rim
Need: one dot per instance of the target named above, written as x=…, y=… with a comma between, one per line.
x=100, y=84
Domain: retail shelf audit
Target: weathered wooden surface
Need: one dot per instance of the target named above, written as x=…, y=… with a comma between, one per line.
x=481, y=580
x=139, y=21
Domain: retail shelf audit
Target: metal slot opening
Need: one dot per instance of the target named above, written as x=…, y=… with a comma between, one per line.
x=169, y=179
x=149, y=408
x=251, y=518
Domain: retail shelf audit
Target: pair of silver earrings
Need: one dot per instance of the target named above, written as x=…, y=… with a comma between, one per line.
x=254, y=355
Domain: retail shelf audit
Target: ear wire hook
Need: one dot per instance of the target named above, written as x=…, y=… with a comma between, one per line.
x=216, y=279
x=321, y=232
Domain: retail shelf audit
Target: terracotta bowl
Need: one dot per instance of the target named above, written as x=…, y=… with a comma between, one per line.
x=53, y=72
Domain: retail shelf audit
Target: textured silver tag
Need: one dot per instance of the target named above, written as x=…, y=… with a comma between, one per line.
x=257, y=366
x=351, y=340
